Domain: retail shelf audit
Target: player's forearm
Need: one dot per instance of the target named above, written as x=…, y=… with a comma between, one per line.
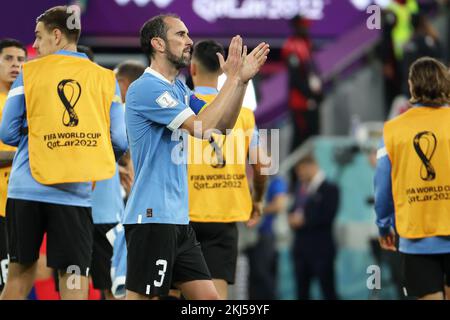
x=259, y=185
x=125, y=159
x=5, y=163
x=384, y=203
x=7, y=155
x=6, y=158
x=222, y=113
x=233, y=108
x=10, y=128
x=118, y=131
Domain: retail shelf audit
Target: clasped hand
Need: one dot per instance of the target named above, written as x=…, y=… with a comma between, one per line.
x=240, y=64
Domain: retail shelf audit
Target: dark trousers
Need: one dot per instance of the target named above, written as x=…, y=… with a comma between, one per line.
x=308, y=267
x=262, y=260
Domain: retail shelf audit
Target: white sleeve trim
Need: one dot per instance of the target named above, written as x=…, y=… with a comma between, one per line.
x=180, y=118
x=16, y=92
x=381, y=153
x=118, y=287
x=111, y=236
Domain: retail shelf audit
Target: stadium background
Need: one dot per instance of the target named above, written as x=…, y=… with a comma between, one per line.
x=351, y=114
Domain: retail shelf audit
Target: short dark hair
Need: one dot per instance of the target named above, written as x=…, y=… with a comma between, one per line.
x=57, y=18
x=205, y=52
x=430, y=82
x=130, y=69
x=87, y=51
x=155, y=27
x=8, y=43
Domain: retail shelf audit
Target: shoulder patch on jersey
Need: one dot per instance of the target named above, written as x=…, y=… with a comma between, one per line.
x=166, y=100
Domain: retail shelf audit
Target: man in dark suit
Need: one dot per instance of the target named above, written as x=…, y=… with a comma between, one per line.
x=314, y=250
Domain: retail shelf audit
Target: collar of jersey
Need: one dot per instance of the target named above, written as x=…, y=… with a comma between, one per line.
x=71, y=53
x=206, y=90
x=158, y=75
x=429, y=105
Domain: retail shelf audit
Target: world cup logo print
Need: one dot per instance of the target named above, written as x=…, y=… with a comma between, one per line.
x=217, y=153
x=425, y=143
x=69, y=91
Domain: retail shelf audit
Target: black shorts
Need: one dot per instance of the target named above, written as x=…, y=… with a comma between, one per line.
x=101, y=257
x=425, y=273
x=162, y=254
x=3, y=253
x=69, y=234
x=219, y=242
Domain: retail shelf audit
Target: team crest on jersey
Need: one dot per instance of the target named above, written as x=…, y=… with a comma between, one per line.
x=166, y=100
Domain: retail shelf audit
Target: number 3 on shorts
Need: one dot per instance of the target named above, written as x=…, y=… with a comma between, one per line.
x=162, y=272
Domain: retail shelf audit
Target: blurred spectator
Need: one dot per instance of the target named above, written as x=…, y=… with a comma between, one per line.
x=403, y=29
x=127, y=72
x=304, y=85
x=424, y=42
x=391, y=74
x=311, y=218
x=263, y=255
x=397, y=30
x=399, y=105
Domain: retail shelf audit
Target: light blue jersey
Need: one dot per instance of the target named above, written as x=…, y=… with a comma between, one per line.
x=155, y=108
x=384, y=207
x=107, y=202
x=21, y=183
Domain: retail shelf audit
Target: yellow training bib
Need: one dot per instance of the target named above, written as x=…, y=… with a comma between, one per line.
x=218, y=186
x=68, y=101
x=4, y=172
x=418, y=146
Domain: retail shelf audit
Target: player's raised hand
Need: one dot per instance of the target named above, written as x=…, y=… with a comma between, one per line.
x=235, y=58
x=254, y=61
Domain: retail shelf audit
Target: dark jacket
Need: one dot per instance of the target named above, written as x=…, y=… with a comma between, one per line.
x=315, y=237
